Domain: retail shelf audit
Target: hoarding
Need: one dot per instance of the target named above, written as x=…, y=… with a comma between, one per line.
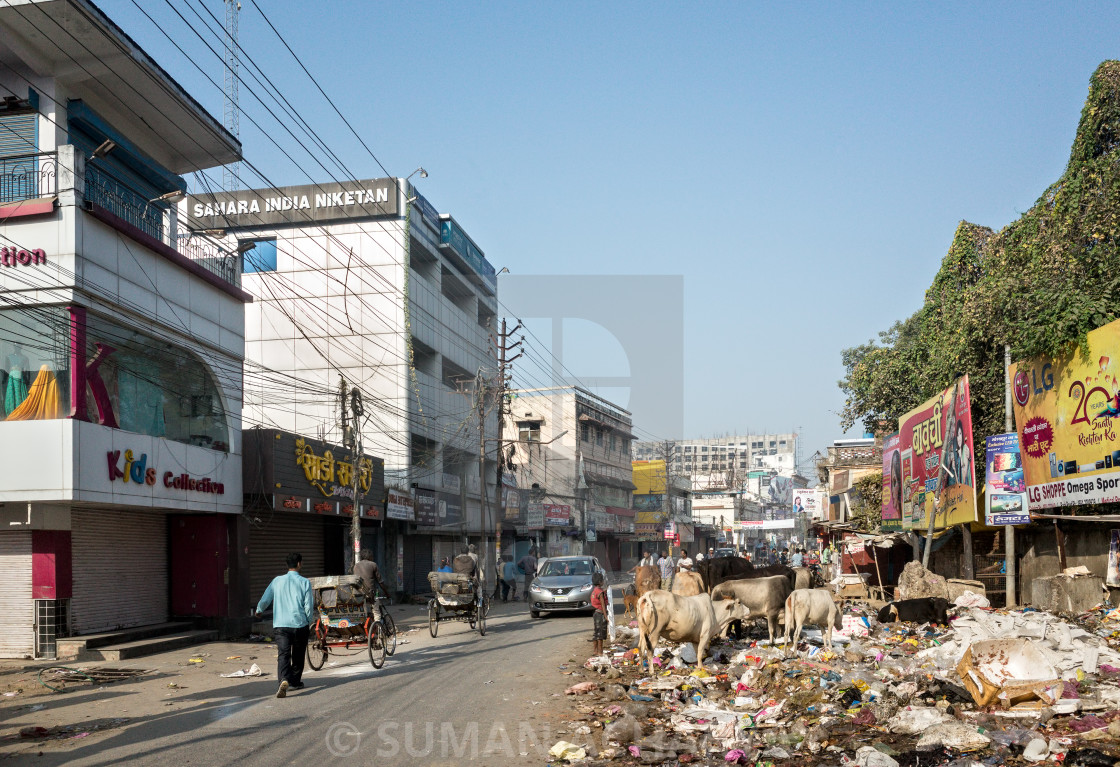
x=1065, y=415
x=812, y=502
x=557, y=515
x=892, y=478
x=936, y=452
x=1005, y=497
x=399, y=505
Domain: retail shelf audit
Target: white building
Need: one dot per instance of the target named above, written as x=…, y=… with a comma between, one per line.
x=120, y=412
x=364, y=281
x=717, y=462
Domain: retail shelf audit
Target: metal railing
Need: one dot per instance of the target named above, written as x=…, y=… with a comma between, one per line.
x=107, y=192
x=28, y=176
x=207, y=254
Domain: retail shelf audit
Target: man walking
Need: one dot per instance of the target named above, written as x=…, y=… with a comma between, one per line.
x=291, y=618
x=528, y=565
x=667, y=567
x=509, y=579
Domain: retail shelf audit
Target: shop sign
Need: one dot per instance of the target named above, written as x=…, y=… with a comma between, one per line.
x=294, y=204
x=437, y=509
x=534, y=518
x=1005, y=488
x=137, y=471
x=399, y=505
x=767, y=524
x=22, y=257
x=557, y=515
x=333, y=478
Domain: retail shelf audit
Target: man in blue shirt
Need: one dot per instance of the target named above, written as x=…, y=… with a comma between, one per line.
x=291, y=619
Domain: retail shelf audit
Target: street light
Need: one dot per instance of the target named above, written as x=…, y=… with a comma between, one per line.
x=423, y=173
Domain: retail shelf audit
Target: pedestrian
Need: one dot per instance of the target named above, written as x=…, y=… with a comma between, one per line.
x=645, y=561
x=826, y=563
x=798, y=558
x=509, y=579
x=711, y=552
x=444, y=566
x=528, y=565
x=684, y=564
x=700, y=556
x=599, y=602
x=667, y=567
x=291, y=620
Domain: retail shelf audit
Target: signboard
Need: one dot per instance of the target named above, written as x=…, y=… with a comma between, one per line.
x=307, y=204
x=1006, y=489
x=511, y=504
x=557, y=515
x=811, y=502
x=1066, y=411
x=534, y=519
x=892, y=478
x=453, y=238
x=768, y=524
x=399, y=505
x=936, y=453
x=437, y=509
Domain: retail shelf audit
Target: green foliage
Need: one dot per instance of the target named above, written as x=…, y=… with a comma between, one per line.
x=867, y=503
x=1038, y=284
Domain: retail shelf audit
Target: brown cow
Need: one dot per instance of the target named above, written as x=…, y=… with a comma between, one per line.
x=647, y=578
x=686, y=584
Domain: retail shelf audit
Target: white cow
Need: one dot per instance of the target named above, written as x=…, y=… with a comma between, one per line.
x=683, y=619
x=814, y=607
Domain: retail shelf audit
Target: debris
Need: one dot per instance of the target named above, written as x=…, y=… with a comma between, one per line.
x=567, y=751
x=869, y=756
x=253, y=670
x=955, y=735
x=1008, y=670
x=34, y=732
x=582, y=688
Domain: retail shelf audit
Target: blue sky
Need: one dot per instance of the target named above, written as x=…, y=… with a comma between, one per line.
x=803, y=168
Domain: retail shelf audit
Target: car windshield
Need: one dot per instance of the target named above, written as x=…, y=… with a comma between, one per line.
x=577, y=567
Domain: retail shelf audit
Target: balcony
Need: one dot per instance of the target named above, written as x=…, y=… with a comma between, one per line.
x=28, y=176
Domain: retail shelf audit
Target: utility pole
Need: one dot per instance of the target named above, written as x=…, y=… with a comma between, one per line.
x=357, y=410
x=504, y=347
x=1009, y=562
x=480, y=403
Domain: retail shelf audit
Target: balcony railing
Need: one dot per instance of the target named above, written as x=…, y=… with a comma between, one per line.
x=107, y=192
x=207, y=254
x=28, y=176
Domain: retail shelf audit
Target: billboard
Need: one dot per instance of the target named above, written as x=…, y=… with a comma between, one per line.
x=1005, y=496
x=812, y=502
x=399, y=505
x=936, y=457
x=557, y=515
x=1066, y=411
x=892, y=478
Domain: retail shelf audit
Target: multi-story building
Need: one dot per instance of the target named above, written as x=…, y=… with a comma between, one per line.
x=122, y=344
x=570, y=456
x=848, y=461
x=365, y=282
x=723, y=462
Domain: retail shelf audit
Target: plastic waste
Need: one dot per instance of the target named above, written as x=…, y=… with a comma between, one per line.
x=562, y=749
x=1037, y=750
x=915, y=720
x=869, y=756
x=686, y=652
x=624, y=730
x=954, y=735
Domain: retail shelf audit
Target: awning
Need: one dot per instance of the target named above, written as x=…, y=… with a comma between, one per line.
x=602, y=479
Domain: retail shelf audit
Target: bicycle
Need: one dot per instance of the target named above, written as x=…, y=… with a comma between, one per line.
x=389, y=625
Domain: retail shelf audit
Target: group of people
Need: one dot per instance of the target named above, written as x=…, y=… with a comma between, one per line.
x=668, y=566
x=507, y=572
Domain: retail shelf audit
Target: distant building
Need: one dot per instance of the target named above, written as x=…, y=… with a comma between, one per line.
x=848, y=461
x=723, y=462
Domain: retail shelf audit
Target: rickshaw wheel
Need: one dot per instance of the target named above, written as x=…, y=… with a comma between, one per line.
x=316, y=651
x=376, y=642
x=482, y=623
x=433, y=617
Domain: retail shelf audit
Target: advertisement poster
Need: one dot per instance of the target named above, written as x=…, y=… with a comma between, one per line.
x=936, y=457
x=557, y=515
x=399, y=505
x=892, y=478
x=1112, y=577
x=1066, y=411
x=534, y=519
x=1006, y=496
x=811, y=502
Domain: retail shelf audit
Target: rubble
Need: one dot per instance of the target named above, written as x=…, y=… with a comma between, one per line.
x=995, y=687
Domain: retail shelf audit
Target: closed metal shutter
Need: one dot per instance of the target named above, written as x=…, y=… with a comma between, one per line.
x=17, y=633
x=273, y=539
x=120, y=569
x=417, y=563
x=18, y=178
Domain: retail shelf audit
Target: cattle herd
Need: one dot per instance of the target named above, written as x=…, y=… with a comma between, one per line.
x=723, y=592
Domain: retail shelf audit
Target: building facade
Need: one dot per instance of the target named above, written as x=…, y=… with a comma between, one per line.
x=570, y=458
x=721, y=462
x=366, y=283
x=122, y=343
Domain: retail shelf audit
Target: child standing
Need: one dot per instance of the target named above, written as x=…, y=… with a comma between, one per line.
x=599, y=602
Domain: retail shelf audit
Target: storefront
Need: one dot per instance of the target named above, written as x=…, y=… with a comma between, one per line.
x=299, y=496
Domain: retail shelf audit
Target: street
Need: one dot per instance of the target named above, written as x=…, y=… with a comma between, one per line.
x=456, y=699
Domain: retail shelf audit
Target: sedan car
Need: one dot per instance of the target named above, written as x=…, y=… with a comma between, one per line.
x=724, y=552
x=563, y=584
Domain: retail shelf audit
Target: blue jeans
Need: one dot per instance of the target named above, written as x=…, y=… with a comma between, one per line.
x=291, y=649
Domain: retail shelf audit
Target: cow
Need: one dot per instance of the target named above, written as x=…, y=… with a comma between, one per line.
x=923, y=610
x=803, y=578
x=647, y=578
x=684, y=619
x=762, y=596
x=686, y=584
x=814, y=607
x=719, y=569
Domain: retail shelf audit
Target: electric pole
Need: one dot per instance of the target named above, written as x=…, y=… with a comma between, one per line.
x=503, y=348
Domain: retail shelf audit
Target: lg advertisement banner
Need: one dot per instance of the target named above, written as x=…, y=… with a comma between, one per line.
x=1005, y=496
x=1065, y=414
x=936, y=457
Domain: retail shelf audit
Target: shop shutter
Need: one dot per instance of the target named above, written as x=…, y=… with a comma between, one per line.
x=18, y=177
x=18, y=133
x=17, y=634
x=273, y=539
x=120, y=570
x=417, y=563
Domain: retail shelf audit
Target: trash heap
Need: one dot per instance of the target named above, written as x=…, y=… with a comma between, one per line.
x=996, y=687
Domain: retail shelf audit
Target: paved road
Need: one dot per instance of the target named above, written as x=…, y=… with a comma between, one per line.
x=456, y=699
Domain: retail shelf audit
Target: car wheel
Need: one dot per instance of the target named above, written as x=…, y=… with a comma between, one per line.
x=534, y=614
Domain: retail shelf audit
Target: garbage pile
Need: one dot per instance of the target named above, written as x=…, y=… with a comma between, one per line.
x=995, y=687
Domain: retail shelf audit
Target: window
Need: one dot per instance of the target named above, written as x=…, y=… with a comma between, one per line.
x=613, y=443
x=704, y=449
x=598, y=436
x=688, y=448
x=261, y=257
x=585, y=432
x=626, y=447
x=742, y=464
x=529, y=431
x=771, y=443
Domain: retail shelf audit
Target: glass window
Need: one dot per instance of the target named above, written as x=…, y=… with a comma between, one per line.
x=260, y=258
x=34, y=363
x=598, y=436
x=529, y=432
x=612, y=442
x=584, y=433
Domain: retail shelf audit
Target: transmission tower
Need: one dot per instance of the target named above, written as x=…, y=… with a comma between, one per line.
x=232, y=113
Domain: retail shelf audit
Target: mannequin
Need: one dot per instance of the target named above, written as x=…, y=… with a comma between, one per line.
x=16, y=363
